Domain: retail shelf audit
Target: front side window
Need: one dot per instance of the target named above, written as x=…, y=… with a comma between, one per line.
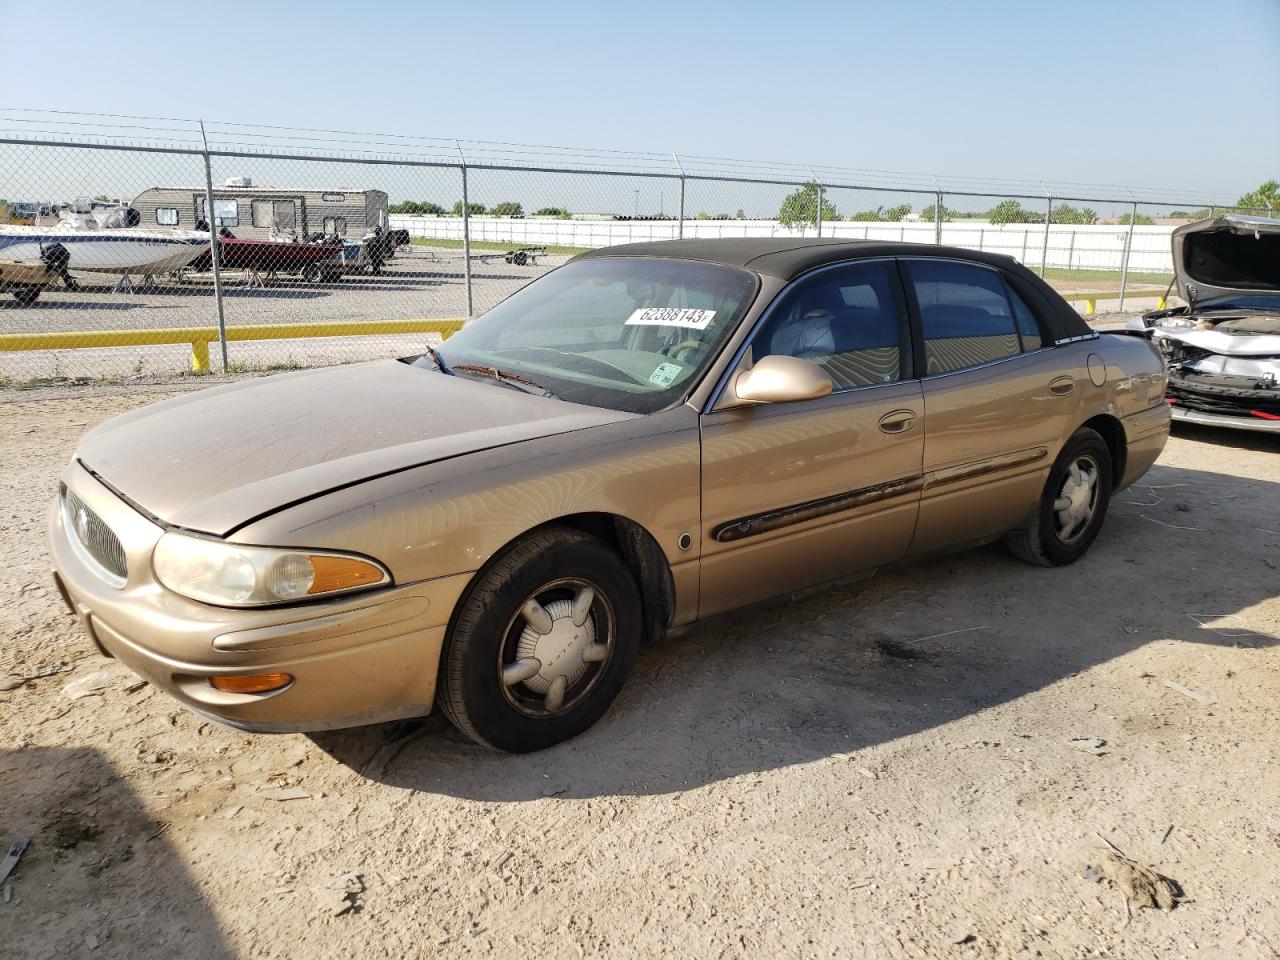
x=964, y=313
x=227, y=211
x=625, y=333
x=850, y=321
x=167, y=216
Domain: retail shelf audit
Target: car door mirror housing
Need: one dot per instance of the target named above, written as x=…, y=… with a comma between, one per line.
x=781, y=379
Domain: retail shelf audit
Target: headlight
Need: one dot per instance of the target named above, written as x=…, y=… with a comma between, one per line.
x=231, y=575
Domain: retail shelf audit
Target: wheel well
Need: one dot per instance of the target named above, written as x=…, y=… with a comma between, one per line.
x=638, y=550
x=643, y=556
x=1111, y=431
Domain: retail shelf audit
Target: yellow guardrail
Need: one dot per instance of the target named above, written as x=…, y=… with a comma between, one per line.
x=1091, y=299
x=201, y=337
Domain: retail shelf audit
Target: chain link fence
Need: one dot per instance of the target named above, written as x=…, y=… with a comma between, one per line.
x=109, y=272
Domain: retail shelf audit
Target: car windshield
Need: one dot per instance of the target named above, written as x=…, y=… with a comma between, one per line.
x=625, y=333
x=1247, y=301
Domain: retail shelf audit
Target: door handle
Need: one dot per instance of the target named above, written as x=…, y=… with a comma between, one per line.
x=899, y=421
x=1061, y=386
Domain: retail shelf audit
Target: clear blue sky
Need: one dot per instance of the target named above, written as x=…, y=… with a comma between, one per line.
x=1136, y=92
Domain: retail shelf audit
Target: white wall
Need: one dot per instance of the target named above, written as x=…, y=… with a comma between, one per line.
x=1094, y=247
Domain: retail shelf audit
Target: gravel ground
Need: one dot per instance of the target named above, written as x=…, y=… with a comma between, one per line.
x=882, y=770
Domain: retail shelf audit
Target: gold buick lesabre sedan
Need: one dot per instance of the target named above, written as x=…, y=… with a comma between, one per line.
x=648, y=436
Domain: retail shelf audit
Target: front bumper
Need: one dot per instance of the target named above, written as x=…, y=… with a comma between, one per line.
x=357, y=659
x=1241, y=421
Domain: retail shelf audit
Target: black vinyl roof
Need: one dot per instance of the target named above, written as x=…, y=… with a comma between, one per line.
x=787, y=259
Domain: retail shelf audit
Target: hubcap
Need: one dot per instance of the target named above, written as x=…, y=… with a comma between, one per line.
x=1077, y=499
x=555, y=648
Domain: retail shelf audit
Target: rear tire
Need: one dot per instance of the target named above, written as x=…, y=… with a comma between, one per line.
x=542, y=643
x=312, y=273
x=1072, y=506
x=26, y=294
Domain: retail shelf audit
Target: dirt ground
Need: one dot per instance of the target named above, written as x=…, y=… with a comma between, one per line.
x=882, y=770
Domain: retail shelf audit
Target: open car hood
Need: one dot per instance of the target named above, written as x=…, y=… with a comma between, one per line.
x=215, y=459
x=1226, y=255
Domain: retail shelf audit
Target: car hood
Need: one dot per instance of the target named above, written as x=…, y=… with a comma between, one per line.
x=213, y=460
x=1226, y=255
x=1225, y=342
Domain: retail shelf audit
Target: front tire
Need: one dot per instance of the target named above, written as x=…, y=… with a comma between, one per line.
x=1072, y=506
x=542, y=644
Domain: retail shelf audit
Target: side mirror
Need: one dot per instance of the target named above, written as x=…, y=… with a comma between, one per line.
x=781, y=379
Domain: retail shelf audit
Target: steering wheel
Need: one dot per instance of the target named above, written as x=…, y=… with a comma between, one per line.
x=676, y=351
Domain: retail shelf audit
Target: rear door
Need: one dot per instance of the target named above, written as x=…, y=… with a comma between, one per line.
x=996, y=401
x=798, y=494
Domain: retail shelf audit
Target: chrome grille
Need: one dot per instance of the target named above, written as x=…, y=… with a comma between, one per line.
x=101, y=545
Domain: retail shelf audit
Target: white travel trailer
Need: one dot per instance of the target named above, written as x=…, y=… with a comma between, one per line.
x=252, y=212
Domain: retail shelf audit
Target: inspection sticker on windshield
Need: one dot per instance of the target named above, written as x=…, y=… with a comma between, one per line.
x=665, y=374
x=686, y=317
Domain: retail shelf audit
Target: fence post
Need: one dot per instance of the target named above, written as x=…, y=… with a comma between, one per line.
x=214, y=256
x=937, y=217
x=466, y=229
x=1044, y=253
x=680, y=222
x=1128, y=250
x=817, y=219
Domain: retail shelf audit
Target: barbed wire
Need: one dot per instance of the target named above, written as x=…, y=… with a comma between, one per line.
x=104, y=129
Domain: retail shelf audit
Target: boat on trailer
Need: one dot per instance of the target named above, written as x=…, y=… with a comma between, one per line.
x=105, y=241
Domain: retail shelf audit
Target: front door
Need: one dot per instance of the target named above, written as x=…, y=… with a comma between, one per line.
x=799, y=494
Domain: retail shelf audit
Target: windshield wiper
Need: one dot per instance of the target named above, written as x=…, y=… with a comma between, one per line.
x=507, y=378
x=438, y=360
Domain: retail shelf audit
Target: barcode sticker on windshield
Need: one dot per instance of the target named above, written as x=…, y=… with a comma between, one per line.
x=686, y=317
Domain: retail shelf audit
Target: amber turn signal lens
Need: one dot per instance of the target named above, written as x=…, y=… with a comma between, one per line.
x=342, y=573
x=254, y=683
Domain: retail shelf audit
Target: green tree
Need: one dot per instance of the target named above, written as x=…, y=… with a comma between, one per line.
x=800, y=208
x=560, y=212
x=103, y=196
x=508, y=208
x=894, y=214
x=1065, y=213
x=1265, y=198
x=418, y=207
x=473, y=209
x=1141, y=220
x=929, y=213
x=865, y=215
x=1009, y=211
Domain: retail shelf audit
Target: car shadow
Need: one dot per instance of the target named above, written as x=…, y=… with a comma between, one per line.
x=93, y=844
x=866, y=664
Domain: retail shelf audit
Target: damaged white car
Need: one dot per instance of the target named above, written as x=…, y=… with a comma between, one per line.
x=1223, y=348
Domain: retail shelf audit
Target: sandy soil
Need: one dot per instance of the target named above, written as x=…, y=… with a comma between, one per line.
x=883, y=770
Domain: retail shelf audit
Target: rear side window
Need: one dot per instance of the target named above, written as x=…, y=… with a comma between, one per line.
x=850, y=321
x=1028, y=328
x=965, y=315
